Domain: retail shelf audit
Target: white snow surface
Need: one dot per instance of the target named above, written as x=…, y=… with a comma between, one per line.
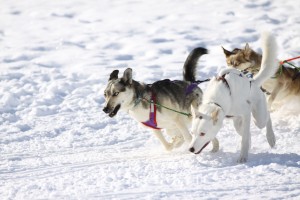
x=55, y=60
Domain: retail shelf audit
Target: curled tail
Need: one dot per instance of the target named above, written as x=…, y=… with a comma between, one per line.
x=269, y=63
x=189, y=67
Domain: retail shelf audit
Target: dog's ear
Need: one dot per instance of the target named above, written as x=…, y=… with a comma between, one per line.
x=215, y=115
x=247, y=51
x=194, y=111
x=247, y=47
x=114, y=75
x=127, y=76
x=226, y=52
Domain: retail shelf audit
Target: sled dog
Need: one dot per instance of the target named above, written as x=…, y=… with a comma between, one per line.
x=232, y=95
x=285, y=82
x=148, y=103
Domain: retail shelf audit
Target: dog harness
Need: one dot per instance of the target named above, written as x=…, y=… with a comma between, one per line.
x=152, y=115
x=222, y=78
x=247, y=73
x=190, y=88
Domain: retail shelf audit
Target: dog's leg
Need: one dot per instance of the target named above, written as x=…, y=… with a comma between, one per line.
x=216, y=145
x=278, y=87
x=184, y=131
x=239, y=125
x=177, y=139
x=262, y=119
x=237, y=122
x=163, y=140
x=259, y=109
x=246, y=138
x=270, y=134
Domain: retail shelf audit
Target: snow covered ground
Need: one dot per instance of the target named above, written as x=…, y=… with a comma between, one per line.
x=55, y=141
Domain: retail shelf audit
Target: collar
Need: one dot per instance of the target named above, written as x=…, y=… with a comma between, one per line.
x=227, y=116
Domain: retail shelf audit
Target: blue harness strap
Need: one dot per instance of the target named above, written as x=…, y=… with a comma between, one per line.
x=152, y=115
x=190, y=88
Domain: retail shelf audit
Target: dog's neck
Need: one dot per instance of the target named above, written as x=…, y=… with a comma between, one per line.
x=141, y=90
x=221, y=98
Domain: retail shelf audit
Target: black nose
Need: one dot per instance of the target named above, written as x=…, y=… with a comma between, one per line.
x=106, y=110
x=192, y=149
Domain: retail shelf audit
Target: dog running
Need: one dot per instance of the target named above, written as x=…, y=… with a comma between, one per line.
x=147, y=103
x=285, y=82
x=233, y=95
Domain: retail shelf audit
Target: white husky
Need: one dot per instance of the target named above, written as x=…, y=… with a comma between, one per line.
x=233, y=95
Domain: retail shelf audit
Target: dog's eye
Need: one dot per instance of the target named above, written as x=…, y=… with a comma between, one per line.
x=115, y=94
x=105, y=94
x=202, y=134
x=200, y=117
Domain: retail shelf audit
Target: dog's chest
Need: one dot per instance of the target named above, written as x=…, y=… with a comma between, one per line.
x=139, y=114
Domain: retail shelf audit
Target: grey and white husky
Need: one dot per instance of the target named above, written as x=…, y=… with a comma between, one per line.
x=150, y=104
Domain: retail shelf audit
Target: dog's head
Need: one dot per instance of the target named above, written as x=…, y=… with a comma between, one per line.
x=205, y=126
x=239, y=58
x=118, y=93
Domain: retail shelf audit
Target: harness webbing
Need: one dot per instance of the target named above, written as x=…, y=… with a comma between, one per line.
x=222, y=78
x=288, y=60
x=153, y=105
x=159, y=105
x=152, y=115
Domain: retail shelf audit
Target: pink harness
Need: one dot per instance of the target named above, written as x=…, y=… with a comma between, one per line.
x=152, y=115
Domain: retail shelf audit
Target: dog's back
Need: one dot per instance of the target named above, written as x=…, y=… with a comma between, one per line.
x=175, y=93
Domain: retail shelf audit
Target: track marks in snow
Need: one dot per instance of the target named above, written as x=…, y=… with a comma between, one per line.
x=56, y=142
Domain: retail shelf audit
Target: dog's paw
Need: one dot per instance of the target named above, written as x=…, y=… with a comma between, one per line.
x=215, y=149
x=242, y=160
x=216, y=145
x=169, y=147
x=271, y=140
x=177, y=141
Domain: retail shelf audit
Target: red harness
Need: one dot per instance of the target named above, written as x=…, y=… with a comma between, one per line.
x=152, y=115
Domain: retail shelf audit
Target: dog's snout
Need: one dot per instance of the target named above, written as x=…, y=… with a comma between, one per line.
x=192, y=149
x=106, y=109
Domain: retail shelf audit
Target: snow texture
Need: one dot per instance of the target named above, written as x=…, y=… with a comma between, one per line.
x=55, y=60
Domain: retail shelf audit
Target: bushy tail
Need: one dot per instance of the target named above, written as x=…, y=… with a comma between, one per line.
x=189, y=67
x=269, y=63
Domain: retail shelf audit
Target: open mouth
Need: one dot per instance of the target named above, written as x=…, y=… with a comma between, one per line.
x=202, y=148
x=115, y=111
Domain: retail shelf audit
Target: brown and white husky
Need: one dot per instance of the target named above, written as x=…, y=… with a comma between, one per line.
x=286, y=81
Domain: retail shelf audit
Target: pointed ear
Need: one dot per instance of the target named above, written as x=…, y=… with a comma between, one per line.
x=194, y=111
x=215, y=115
x=114, y=75
x=247, y=47
x=127, y=76
x=226, y=52
x=247, y=51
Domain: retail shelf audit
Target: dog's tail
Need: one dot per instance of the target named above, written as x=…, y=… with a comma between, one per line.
x=269, y=63
x=189, y=67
